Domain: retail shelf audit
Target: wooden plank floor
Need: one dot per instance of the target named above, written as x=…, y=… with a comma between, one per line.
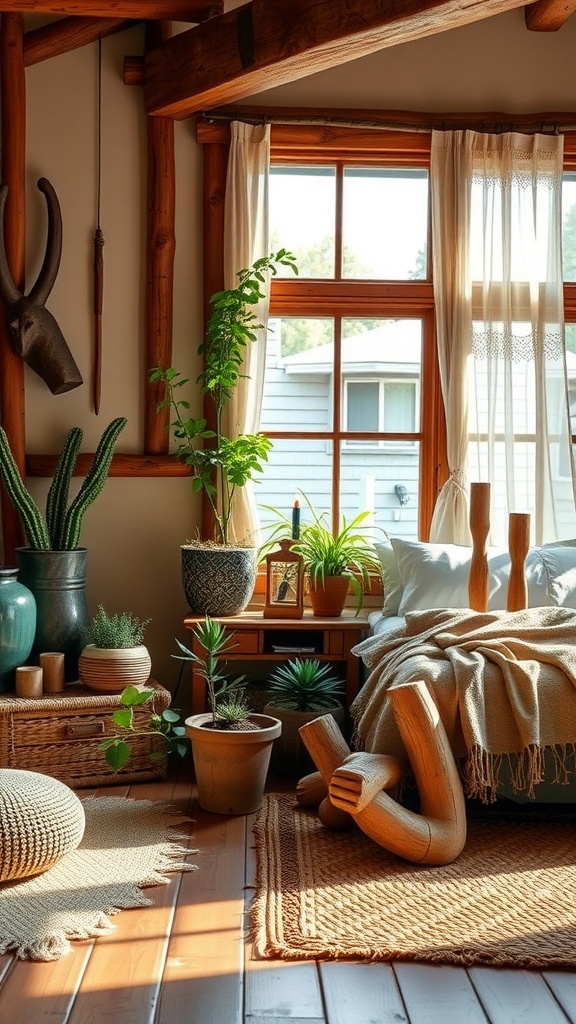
x=187, y=960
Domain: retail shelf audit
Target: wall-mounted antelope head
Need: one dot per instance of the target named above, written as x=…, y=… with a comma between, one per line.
x=34, y=332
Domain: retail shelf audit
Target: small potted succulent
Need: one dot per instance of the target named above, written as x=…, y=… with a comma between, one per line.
x=299, y=691
x=115, y=655
x=231, y=745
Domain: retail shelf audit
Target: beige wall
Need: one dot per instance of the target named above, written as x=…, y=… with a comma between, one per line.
x=135, y=528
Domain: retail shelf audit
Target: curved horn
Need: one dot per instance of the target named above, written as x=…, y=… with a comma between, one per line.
x=47, y=276
x=9, y=290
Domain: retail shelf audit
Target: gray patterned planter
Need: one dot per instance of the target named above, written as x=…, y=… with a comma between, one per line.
x=218, y=580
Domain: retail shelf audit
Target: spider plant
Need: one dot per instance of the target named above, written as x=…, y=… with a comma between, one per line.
x=348, y=552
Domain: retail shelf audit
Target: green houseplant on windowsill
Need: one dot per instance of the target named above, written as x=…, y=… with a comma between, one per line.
x=334, y=563
x=220, y=464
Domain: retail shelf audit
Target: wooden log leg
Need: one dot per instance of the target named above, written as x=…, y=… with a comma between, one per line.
x=311, y=790
x=437, y=834
x=362, y=777
x=328, y=749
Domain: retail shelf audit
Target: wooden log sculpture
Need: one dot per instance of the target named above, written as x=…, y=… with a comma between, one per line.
x=34, y=332
x=356, y=783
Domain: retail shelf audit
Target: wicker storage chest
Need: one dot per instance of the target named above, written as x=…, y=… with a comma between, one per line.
x=60, y=735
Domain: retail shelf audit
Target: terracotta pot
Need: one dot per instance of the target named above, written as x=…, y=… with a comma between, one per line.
x=328, y=595
x=289, y=755
x=231, y=765
x=110, y=669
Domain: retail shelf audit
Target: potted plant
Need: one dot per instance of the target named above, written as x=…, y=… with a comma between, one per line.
x=167, y=736
x=231, y=746
x=220, y=464
x=53, y=565
x=333, y=562
x=300, y=690
x=115, y=655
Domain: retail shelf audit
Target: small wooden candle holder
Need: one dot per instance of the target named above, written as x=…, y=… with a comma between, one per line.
x=52, y=664
x=28, y=681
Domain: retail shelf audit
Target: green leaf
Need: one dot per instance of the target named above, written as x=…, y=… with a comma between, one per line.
x=131, y=696
x=118, y=755
x=123, y=717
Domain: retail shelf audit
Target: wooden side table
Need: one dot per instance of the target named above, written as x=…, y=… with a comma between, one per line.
x=261, y=640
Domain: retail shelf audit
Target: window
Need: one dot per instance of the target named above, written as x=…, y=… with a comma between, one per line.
x=351, y=340
x=347, y=425
x=375, y=405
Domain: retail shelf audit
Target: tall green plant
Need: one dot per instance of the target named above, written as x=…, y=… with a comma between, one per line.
x=59, y=529
x=222, y=464
x=216, y=643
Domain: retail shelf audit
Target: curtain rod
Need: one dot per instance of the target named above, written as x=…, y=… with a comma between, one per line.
x=545, y=123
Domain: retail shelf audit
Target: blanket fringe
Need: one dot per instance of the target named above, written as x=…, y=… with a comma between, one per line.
x=482, y=772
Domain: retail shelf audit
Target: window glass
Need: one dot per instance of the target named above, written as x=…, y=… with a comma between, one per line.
x=302, y=216
x=299, y=373
x=363, y=405
x=384, y=223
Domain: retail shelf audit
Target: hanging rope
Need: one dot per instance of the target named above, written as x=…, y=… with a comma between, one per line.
x=98, y=256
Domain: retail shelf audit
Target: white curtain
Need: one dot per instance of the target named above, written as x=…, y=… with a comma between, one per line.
x=498, y=282
x=246, y=240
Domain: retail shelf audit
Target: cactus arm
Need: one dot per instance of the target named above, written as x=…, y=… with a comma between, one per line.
x=93, y=483
x=57, y=500
x=30, y=514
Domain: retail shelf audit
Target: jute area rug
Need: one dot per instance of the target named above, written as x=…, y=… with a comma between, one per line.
x=508, y=900
x=126, y=844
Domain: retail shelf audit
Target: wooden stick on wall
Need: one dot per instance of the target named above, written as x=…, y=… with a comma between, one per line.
x=13, y=143
x=160, y=246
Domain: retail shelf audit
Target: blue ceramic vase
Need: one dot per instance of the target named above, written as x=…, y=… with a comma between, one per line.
x=17, y=625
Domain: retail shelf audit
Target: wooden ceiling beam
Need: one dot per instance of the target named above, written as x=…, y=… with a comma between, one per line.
x=135, y=10
x=68, y=34
x=266, y=44
x=548, y=15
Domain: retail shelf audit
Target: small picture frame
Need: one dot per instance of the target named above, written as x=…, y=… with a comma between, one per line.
x=284, y=583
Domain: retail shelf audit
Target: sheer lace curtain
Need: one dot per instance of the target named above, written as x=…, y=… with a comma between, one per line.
x=496, y=209
x=246, y=240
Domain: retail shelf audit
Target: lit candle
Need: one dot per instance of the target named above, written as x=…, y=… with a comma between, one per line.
x=296, y=520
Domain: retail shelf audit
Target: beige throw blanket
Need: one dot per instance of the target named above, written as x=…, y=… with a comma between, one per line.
x=504, y=684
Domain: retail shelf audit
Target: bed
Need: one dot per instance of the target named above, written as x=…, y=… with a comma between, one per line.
x=504, y=681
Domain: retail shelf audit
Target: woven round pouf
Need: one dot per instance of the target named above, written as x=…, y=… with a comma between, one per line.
x=41, y=820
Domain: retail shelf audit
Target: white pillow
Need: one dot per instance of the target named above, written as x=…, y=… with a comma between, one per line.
x=558, y=569
x=390, y=577
x=436, y=575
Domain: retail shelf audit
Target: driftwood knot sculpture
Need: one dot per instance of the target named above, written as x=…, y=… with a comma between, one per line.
x=34, y=332
x=352, y=787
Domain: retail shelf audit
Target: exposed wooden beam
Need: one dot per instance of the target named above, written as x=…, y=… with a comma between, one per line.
x=68, y=34
x=137, y=10
x=548, y=15
x=263, y=44
x=13, y=148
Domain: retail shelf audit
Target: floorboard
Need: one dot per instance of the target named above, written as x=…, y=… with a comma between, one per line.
x=188, y=958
